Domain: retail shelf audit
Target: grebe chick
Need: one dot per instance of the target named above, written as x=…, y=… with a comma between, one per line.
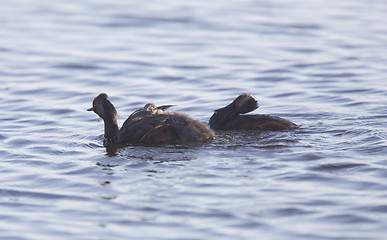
x=149, y=125
x=229, y=118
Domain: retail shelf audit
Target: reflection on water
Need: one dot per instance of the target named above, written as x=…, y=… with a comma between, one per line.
x=320, y=64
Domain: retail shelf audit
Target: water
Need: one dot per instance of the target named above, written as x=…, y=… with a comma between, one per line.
x=321, y=64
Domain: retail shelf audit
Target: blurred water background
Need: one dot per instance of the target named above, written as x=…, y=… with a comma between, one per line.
x=321, y=64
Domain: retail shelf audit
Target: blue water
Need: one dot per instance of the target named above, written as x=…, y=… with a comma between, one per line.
x=321, y=64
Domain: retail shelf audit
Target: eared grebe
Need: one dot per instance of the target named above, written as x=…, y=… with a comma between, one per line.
x=150, y=125
x=229, y=118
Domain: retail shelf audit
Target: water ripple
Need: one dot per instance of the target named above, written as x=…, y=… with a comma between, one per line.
x=325, y=180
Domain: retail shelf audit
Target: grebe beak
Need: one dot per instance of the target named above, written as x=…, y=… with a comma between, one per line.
x=90, y=109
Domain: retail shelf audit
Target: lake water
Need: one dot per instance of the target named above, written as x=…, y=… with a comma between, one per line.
x=321, y=64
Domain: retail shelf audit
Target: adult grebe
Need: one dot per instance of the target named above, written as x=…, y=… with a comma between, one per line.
x=150, y=125
x=230, y=118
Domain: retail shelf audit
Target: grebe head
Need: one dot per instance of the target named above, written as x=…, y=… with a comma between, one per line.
x=103, y=107
x=244, y=103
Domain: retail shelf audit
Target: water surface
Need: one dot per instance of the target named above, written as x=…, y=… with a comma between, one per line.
x=321, y=64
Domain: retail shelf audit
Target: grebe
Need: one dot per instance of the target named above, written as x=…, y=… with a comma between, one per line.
x=149, y=125
x=229, y=118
